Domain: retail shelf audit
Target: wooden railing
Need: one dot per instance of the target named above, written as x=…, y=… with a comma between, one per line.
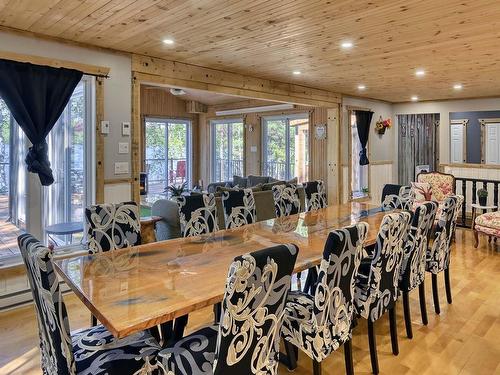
x=476, y=184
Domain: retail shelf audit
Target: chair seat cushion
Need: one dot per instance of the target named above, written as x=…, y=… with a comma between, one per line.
x=97, y=352
x=193, y=354
x=489, y=220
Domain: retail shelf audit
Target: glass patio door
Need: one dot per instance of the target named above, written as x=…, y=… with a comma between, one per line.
x=227, y=149
x=167, y=153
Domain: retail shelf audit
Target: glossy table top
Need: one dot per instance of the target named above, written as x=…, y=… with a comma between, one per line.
x=133, y=289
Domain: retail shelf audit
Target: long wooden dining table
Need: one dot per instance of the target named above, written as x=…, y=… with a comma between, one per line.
x=137, y=288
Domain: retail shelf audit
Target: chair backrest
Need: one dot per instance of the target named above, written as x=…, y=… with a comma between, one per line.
x=442, y=184
x=315, y=195
x=383, y=277
x=397, y=197
x=286, y=200
x=197, y=214
x=334, y=296
x=415, y=248
x=252, y=311
x=112, y=226
x=53, y=325
x=438, y=254
x=239, y=208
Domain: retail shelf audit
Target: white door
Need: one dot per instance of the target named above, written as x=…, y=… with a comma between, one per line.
x=457, y=143
x=492, y=132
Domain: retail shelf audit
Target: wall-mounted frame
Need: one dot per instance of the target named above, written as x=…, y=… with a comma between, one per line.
x=454, y=125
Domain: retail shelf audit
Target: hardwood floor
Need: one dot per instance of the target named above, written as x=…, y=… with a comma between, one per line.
x=464, y=339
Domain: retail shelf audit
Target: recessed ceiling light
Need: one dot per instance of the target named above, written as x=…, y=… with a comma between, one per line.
x=458, y=86
x=168, y=41
x=347, y=44
x=361, y=87
x=297, y=72
x=414, y=98
x=420, y=73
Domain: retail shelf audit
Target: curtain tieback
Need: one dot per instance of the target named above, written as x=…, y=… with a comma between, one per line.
x=363, y=158
x=37, y=161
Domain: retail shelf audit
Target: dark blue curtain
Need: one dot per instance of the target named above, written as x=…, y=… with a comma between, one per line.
x=363, y=121
x=36, y=96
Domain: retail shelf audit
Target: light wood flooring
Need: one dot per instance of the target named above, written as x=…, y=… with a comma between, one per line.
x=464, y=339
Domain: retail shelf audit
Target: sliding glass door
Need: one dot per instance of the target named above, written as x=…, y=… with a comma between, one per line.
x=27, y=206
x=167, y=153
x=227, y=149
x=285, y=147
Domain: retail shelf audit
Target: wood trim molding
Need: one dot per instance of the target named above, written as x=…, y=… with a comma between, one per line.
x=136, y=139
x=160, y=71
x=99, y=140
x=381, y=162
x=56, y=63
x=470, y=166
x=117, y=181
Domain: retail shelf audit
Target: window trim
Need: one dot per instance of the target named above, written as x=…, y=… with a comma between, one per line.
x=287, y=118
x=229, y=121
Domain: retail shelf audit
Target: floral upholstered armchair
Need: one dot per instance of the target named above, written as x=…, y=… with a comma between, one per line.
x=442, y=184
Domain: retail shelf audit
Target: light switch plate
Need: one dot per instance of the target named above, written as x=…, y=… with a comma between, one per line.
x=121, y=167
x=104, y=127
x=253, y=148
x=125, y=128
x=123, y=147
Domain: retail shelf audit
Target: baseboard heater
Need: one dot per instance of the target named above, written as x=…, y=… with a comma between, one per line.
x=20, y=298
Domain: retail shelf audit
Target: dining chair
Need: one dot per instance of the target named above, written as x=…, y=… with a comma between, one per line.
x=438, y=253
x=397, y=197
x=286, y=200
x=376, y=289
x=112, y=226
x=247, y=339
x=412, y=274
x=239, y=208
x=315, y=194
x=197, y=214
x=88, y=351
x=319, y=323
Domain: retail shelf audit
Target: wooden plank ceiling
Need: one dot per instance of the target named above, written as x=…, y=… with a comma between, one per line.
x=454, y=41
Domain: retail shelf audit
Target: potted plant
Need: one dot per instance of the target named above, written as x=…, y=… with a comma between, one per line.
x=176, y=190
x=381, y=125
x=482, y=195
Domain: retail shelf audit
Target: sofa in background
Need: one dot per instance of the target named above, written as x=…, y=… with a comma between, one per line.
x=246, y=182
x=169, y=226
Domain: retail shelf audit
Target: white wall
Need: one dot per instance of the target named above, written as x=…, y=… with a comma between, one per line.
x=117, y=89
x=444, y=108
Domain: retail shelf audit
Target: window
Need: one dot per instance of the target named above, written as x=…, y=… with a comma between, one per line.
x=71, y=158
x=359, y=173
x=285, y=147
x=167, y=153
x=227, y=149
x=71, y=155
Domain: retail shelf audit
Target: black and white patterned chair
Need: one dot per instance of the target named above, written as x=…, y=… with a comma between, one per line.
x=412, y=273
x=377, y=280
x=319, y=324
x=239, y=208
x=286, y=200
x=112, y=226
x=397, y=197
x=197, y=214
x=438, y=253
x=90, y=351
x=247, y=339
x=315, y=194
